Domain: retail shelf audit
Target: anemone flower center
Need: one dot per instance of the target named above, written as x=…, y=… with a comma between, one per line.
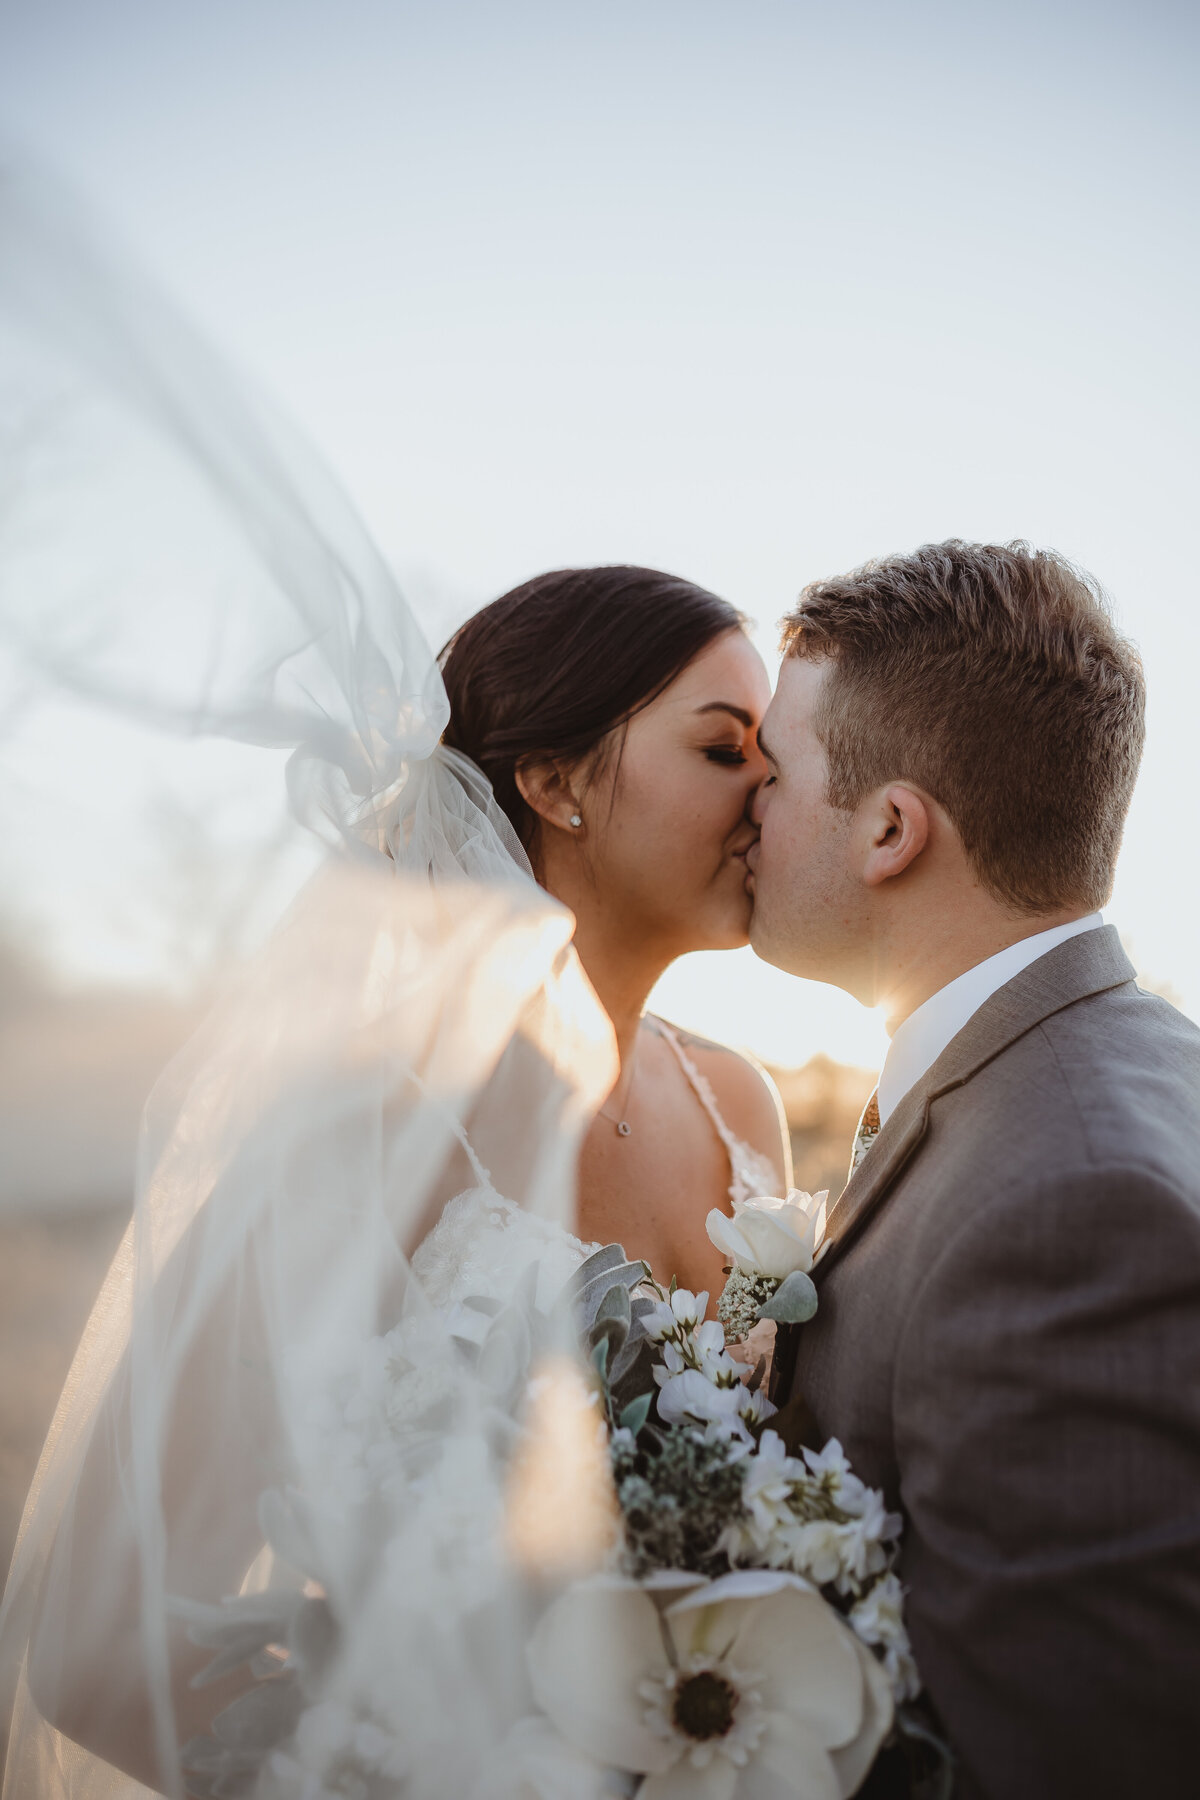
x=705, y=1705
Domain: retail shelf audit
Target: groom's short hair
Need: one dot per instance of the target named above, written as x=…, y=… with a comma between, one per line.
x=992, y=677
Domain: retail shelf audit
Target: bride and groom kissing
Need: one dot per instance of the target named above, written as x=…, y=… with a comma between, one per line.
x=1007, y=1340
x=927, y=814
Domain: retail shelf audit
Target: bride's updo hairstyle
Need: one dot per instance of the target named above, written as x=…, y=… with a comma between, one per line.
x=546, y=672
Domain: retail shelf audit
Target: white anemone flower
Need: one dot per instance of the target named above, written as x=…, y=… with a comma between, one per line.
x=771, y=1237
x=749, y=1687
x=535, y=1763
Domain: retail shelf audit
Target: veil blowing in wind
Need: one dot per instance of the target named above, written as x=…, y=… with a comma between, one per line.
x=370, y=1479
x=417, y=1032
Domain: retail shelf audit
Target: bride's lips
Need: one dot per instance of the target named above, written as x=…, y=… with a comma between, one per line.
x=750, y=857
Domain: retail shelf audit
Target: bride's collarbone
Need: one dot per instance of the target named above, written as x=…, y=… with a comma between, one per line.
x=652, y=1190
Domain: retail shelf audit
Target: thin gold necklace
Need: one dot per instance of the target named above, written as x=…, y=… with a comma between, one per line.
x=624, y=1128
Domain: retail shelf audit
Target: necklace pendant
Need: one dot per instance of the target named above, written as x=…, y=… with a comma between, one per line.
x=624, y=1128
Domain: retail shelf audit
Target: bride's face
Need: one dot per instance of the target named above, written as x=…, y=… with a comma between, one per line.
x=667, y=817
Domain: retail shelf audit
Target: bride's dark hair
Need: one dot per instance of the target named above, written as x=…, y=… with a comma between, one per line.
x=548, y=670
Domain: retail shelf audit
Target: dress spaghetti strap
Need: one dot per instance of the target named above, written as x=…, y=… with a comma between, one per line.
x=751, y=1171
x=700, y=1086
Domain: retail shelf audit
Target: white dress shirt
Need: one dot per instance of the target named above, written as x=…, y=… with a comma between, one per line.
x=920, y=1040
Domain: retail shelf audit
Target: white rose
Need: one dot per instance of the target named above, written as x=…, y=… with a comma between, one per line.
x=771, y=1237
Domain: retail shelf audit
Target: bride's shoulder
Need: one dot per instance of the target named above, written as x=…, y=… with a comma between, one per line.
x=746, y=1096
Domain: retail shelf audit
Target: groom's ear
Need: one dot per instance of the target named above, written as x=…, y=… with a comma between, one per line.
x=896, y=822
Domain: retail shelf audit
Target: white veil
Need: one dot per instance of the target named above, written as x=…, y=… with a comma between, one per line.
x=418, y=1029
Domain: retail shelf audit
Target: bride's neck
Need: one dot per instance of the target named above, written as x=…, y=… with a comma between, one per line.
x=622, y=976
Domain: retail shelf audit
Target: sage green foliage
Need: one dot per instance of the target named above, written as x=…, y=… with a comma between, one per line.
x=608, y=1310
x=676, y=1498
x=794, y=1301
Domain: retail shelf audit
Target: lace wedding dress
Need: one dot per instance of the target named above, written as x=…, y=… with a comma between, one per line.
x=369, y=1413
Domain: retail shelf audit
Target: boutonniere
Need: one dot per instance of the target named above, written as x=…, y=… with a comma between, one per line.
x=772, y=1245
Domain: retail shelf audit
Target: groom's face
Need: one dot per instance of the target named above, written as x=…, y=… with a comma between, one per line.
x=807, y=902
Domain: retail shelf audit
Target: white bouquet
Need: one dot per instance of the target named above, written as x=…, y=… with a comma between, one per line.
x=748, y=1633
x=735, y=1630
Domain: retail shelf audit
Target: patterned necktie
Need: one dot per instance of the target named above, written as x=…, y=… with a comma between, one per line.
x=868, y=1131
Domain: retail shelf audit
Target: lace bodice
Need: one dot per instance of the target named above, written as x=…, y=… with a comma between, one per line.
x=483, y=1243
x=751, y=1172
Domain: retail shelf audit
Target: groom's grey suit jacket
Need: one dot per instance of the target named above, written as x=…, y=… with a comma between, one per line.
x=1008, y=1343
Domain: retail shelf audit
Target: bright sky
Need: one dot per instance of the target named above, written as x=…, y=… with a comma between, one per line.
x=747, y=292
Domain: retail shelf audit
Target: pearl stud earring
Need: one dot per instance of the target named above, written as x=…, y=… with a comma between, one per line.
x=576, y=820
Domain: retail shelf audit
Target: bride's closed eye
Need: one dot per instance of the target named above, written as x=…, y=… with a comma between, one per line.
x=729, y=754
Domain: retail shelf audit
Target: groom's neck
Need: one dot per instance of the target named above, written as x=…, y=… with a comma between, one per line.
x=924, y=955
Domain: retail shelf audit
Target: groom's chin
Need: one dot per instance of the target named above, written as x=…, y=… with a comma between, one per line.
x=764, y=944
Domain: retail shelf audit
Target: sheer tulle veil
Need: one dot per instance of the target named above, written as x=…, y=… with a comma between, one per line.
x=417, y=1027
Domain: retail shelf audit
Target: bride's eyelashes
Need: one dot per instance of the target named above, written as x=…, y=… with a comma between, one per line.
x=728, y=754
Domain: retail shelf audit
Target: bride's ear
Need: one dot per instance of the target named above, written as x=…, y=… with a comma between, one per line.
x=548, y=790
x=897, y=827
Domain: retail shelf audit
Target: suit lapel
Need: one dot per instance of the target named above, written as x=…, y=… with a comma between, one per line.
x=1088, y=964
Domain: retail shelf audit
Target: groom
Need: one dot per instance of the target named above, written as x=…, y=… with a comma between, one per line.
x=1008, y=1337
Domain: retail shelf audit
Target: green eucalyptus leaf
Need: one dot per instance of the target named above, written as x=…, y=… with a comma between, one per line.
x=600, y=1262
x=600, y=1357
x=794, y=1301
x=584, y=1298
x=615, y=1305
x=636, y=1413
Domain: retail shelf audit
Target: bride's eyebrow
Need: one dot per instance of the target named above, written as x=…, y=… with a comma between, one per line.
x=726, y=706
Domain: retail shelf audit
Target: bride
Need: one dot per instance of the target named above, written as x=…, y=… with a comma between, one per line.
x=615, y=712
x=363, y=1184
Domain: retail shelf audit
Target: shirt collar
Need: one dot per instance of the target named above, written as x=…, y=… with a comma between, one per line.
x=920, y=1040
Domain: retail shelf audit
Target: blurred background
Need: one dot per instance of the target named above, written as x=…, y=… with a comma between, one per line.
x=746, y=292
